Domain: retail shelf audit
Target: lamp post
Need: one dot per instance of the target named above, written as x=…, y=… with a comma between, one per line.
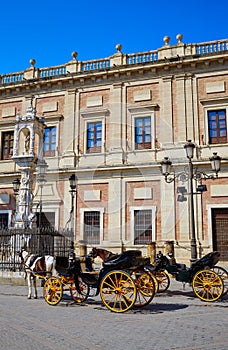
x=41, y=172
x=189, y=148
x=73, y=184
x=189, y=175
x=16, y=187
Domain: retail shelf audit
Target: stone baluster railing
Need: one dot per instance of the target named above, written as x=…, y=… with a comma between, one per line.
x=118, y=59
x=95, y=64
x=142, y=57
x=52, y=71
x=212, y=47
x=11, y=78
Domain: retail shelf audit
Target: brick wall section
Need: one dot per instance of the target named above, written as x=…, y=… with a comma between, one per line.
x=105, y=98
x=207, y=199
x=155, y=201
x=103, y=203
x=83, y=106
x=60, y=103
x=16, y=104
x=201, y=86
x=155, y=99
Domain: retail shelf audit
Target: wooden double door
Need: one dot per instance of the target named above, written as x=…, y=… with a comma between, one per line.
x=220, y=232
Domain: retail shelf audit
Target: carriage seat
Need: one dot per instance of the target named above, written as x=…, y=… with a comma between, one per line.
x=127, y=259
x=62, y=266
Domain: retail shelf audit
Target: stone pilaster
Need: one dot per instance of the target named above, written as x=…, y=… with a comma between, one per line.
x=115, y=153
x=166, y=122
x=181, y=108
x=70, y=139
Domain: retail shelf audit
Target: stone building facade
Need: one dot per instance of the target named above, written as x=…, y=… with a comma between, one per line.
x=111, y=122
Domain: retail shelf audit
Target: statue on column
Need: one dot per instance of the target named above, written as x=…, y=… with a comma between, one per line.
x=27, y=143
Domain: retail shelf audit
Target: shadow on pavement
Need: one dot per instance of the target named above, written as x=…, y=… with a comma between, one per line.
x=158, y=308
x=189, y=294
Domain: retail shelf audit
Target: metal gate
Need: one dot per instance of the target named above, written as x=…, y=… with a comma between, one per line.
x=220, y=232
x=36, y=241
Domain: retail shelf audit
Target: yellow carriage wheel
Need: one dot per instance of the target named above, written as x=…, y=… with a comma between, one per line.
x=82, y=294
x=207, y=285
x=163, y=281
x=145, y=288
x=156, y=284
x=224, y=276
x=53, y=291
x=118, y=291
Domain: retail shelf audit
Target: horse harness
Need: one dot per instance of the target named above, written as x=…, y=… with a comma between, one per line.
x=32, y=258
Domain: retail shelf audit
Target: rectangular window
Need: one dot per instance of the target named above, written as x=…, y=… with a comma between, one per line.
x=92, y=227
x=7, y=144
x=217, y=126
x=94, y=137
x=49, y=141
x=3, y=221
x=143, y=133
x=142, y=226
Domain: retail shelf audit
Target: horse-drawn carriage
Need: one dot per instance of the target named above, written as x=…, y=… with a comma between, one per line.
x=122, y=283
x=128, y=279
x=208, y=281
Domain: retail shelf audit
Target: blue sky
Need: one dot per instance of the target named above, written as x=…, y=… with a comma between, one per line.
x=50, y=30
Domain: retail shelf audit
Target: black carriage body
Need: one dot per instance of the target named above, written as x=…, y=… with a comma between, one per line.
x=127, y=261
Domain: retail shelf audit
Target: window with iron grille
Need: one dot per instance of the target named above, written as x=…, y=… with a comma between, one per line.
x=7, y=144
x=49, y=141
x=92, y=227
x=217, y=126
x=142, y=226
x=142, y=133
x=94, y=137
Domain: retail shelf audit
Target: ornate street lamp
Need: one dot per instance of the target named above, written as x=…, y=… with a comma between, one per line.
x=215, y=163
x=166, y=169
x=188, y=175
x=189, y=148
x=16, y=186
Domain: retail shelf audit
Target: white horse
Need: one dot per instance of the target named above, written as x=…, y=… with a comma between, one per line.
x=36, y=265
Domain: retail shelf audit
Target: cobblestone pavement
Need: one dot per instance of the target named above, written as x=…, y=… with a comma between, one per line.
x=174, y=320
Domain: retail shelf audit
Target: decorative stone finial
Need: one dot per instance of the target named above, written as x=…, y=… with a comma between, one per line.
x=74, y=55
x=32, y=62
x=166, y=39
x=179, y=38
x=118, y=47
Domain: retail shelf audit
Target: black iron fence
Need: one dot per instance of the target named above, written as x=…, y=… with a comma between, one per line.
x=37, y=241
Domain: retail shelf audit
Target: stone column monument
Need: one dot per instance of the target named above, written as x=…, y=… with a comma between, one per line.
x=27, y=153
